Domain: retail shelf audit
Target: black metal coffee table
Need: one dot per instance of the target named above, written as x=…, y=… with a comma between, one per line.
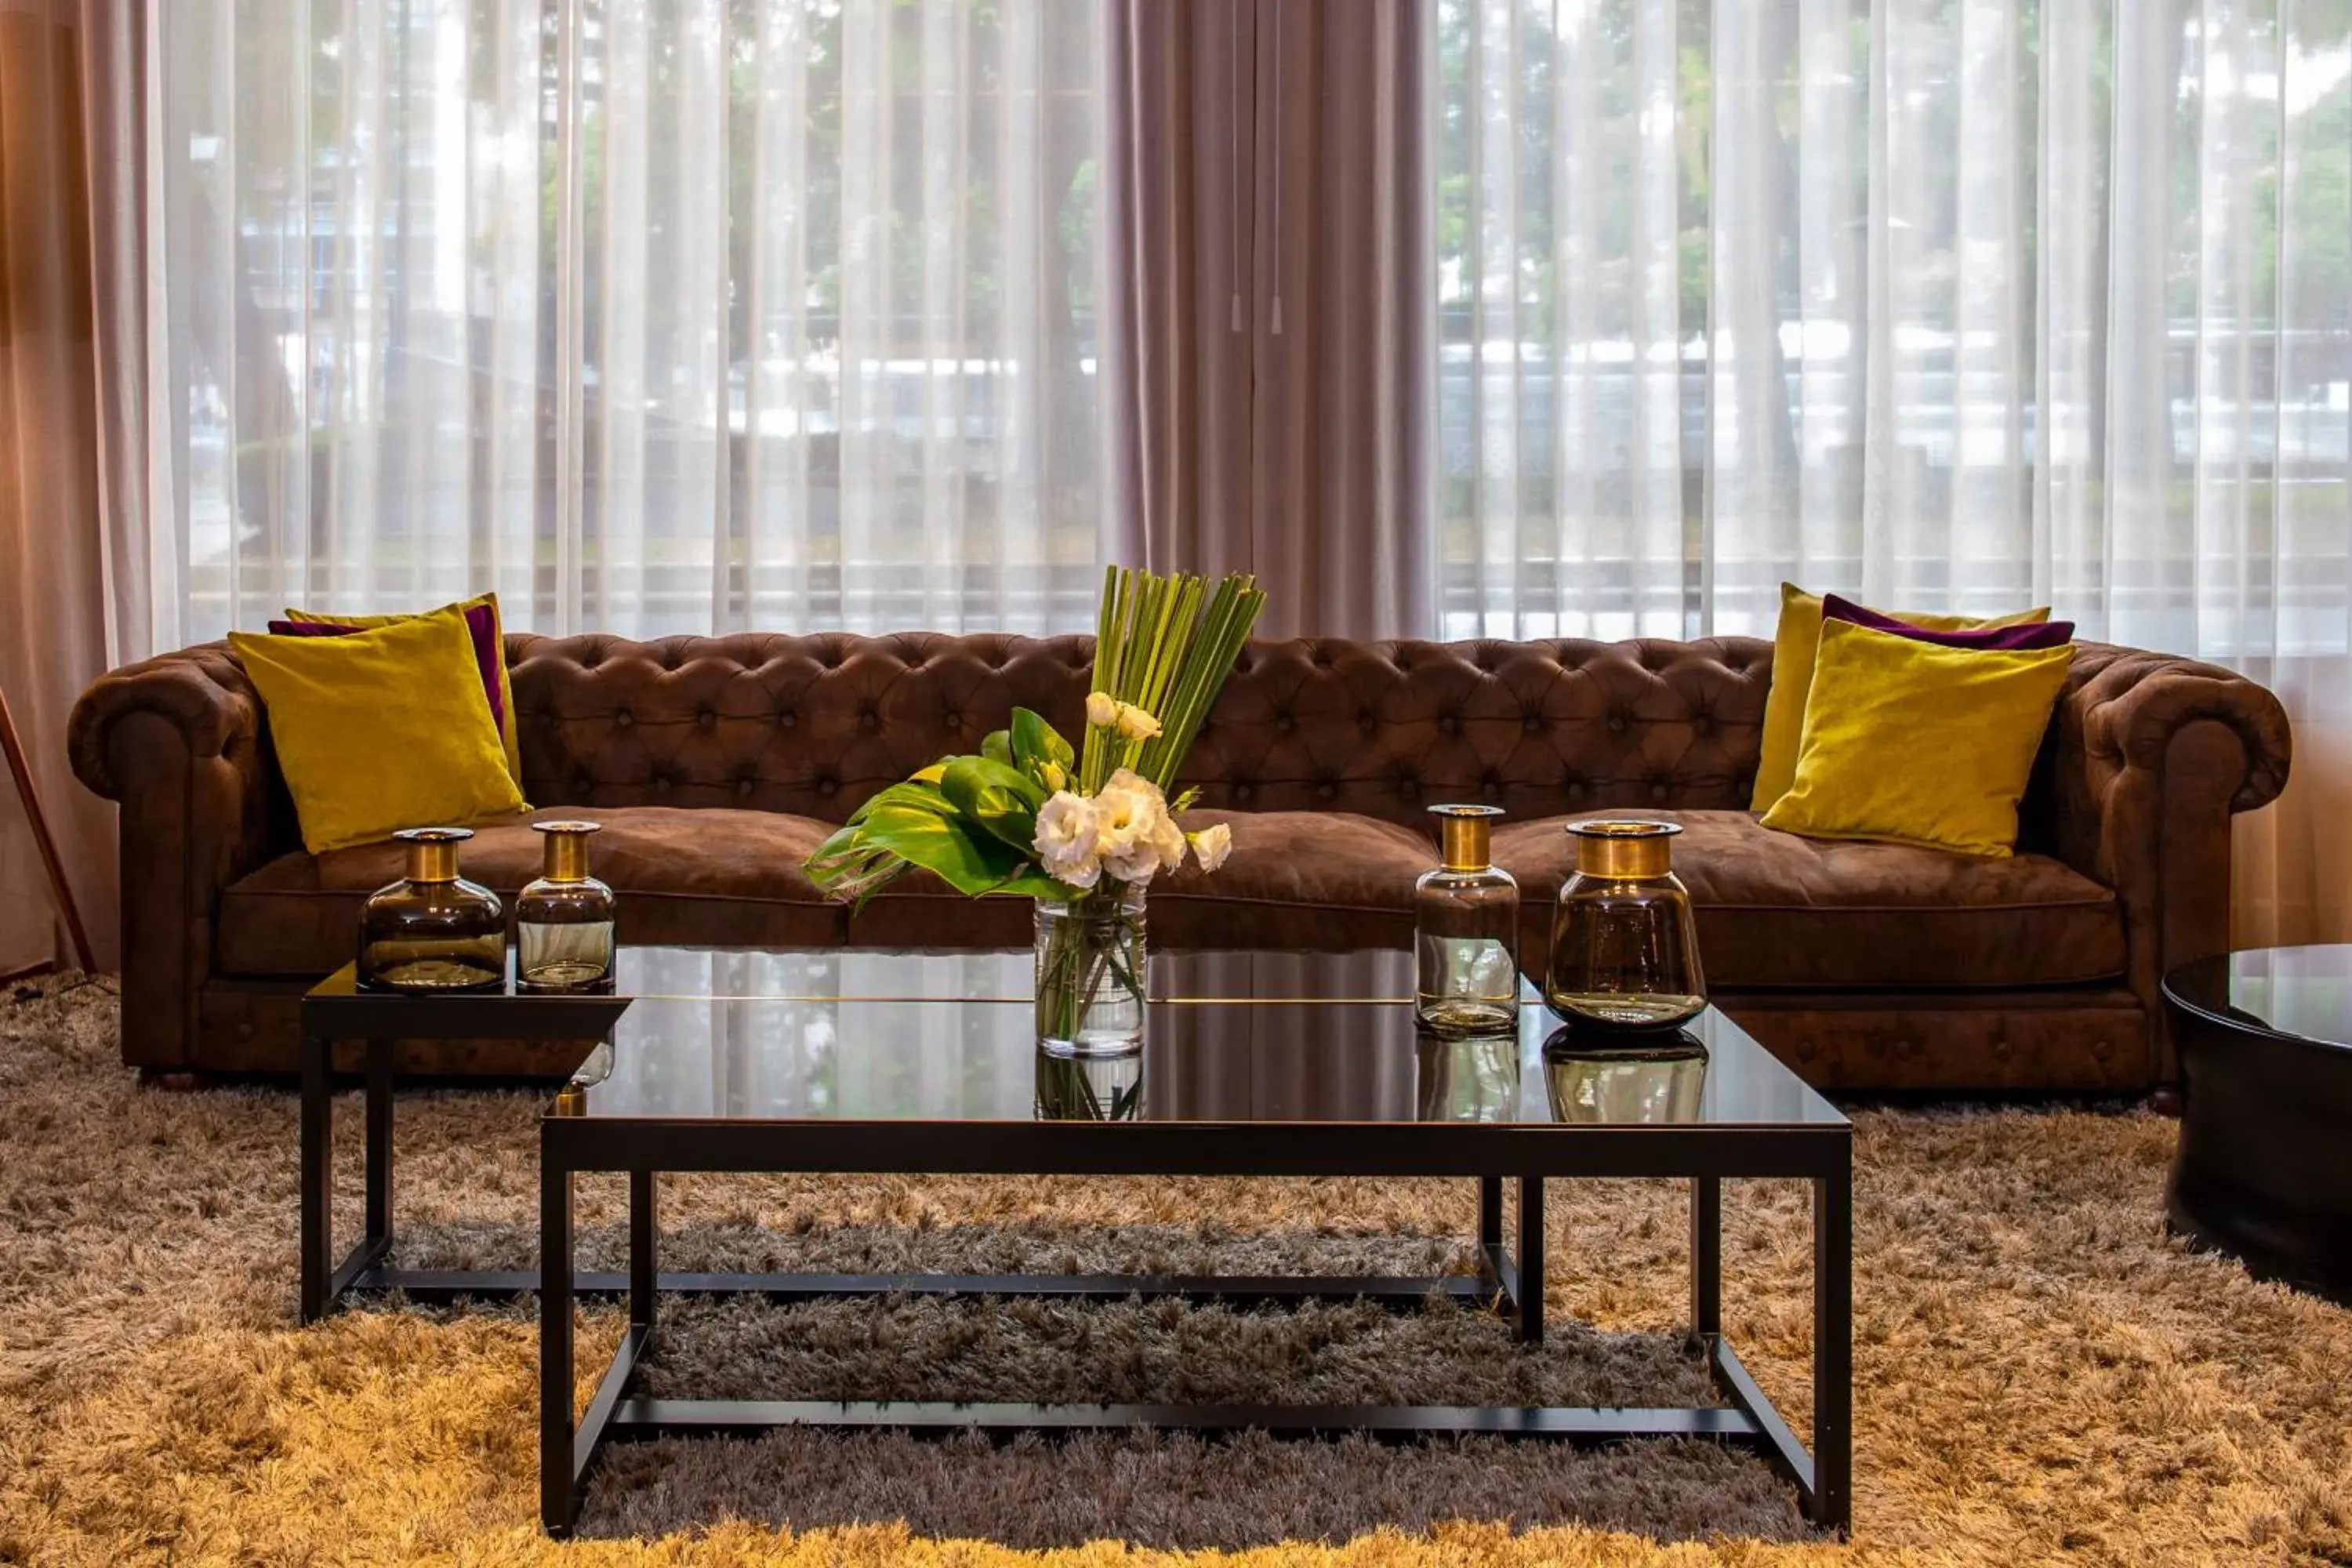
x=2265, y=1043
x=1248, y=1076
x=336, y=1013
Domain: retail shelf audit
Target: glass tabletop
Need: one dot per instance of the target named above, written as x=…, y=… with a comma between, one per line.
x=994, y=974
x=2304, y=993
x=1275, y=1038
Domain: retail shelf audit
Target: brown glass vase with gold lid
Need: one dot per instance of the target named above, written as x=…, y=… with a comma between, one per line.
x=1624, y=945
x=433, y=933
x=563, y=922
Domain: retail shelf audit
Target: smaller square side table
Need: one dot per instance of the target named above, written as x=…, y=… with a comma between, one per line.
x=335, y=1010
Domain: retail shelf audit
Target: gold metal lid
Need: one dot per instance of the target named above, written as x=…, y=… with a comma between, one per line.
x=1467, y=834
x=567, y=849
x=1624, y=848
x=432, y=852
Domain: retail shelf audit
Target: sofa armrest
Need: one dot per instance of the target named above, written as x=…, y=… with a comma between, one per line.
x=2149, y=757
x=179, y=741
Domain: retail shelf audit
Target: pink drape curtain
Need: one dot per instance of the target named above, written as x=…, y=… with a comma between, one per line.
x=69, y=601
x=1272, y=306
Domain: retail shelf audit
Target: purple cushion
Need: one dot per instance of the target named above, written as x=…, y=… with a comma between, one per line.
x=481, y=624
x=2012, y=639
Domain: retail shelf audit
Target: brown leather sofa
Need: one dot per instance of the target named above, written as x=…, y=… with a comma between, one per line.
x=716, y=764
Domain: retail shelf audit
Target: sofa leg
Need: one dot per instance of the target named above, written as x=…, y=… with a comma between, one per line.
x=2165, y=1101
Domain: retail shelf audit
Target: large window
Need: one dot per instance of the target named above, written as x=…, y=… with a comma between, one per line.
x=654, y=315
x=1961, y=303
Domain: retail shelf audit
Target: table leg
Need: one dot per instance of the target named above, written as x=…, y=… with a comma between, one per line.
x=378, y=1145
x=1531, y=1260
x=643, y=1248
x=318, y=1178
x=1833, y=1502
x=558, y=1504
x=1706, y=1256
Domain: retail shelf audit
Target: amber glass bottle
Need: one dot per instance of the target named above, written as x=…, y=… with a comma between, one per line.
x=1465, y=922
x=432, y=932
x=563, y=922
x=1624, y=947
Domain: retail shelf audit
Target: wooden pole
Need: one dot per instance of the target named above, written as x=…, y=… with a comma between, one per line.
x=58, y=891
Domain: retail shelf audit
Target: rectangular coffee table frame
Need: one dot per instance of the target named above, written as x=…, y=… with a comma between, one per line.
x=1705, y=1154
x=571, y=1144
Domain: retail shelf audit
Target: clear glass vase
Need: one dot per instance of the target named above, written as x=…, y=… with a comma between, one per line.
x=564, y=920
x=1090, y=974
x=1465, y=922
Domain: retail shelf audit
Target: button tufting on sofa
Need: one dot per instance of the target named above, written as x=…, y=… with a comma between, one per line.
x=2025, y=970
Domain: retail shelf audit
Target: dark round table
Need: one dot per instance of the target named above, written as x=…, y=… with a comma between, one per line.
x=2264, y=1166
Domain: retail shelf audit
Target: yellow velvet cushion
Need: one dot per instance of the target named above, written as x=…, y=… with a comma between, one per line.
x=491, y=652
x=381, y=729
x=1793, y=646
x=1916, y=744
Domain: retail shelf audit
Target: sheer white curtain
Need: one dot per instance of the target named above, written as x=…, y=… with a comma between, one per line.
x=1951, y=303
x=653, y=315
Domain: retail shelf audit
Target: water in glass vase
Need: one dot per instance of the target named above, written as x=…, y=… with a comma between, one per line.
x=1467, y=985
x=1630, y=1010
x=442, y=970
x=1090, y=959
x=563, y=957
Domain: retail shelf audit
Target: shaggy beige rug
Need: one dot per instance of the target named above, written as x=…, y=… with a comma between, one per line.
x=2042, y=1375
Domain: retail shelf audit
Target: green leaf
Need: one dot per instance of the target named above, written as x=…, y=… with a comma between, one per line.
x=1031, y=883
x=998, y=747
x=849, y=866
x=914, y=792
x=959, y=852
x=999, y=800
x=1035, y=742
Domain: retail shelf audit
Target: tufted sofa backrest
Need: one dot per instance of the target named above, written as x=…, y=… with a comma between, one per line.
x=815, y=724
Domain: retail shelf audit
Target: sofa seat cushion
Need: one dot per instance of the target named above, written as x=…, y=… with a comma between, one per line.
x=699, y=876
x=1303, y=880
x=1776, y=911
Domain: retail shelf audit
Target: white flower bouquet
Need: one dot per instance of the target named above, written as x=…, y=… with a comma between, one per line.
x=1082, y=830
